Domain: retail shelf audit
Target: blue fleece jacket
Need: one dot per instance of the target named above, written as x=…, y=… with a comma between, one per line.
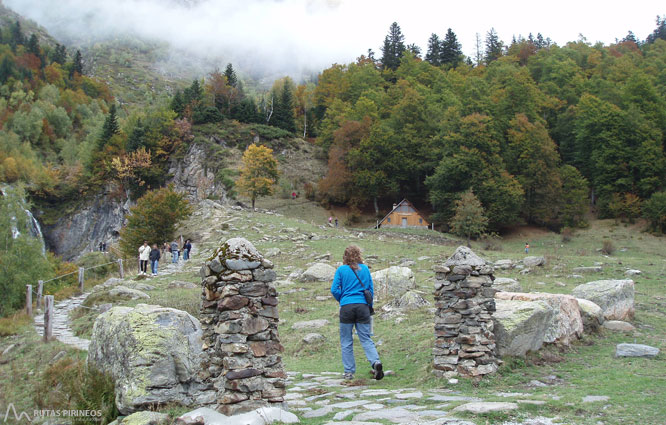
x=347, y=289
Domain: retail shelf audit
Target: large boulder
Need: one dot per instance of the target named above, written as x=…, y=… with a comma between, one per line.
x=520, y=326
x=507, y=284
x=503, y=264
x=393, y=282
x=410, y=300
x=615, y=297
x=318, y=272
x=566, y=324
x=532, y=261
x=592, y=315
x=152, y=354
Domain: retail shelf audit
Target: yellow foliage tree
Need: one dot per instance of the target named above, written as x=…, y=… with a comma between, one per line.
x=259, y=173
x=127, y=166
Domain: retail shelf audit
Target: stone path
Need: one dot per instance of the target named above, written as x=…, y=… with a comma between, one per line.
x=62, y=330
x=325, y=396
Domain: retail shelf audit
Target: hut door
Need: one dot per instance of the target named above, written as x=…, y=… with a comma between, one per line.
x=404, y=222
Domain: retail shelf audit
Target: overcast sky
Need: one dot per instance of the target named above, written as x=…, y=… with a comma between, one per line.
x=295, y=34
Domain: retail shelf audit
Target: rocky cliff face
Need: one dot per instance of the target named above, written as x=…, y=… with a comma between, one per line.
x=192, y=176
x=97, y=221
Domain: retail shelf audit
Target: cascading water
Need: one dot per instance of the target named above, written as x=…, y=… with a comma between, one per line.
x=33, y=226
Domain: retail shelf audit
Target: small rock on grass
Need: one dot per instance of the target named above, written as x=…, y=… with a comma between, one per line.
x=486, y=407
x=595, y=398
x=618, y=325
x=313, y=338
x=635, y=350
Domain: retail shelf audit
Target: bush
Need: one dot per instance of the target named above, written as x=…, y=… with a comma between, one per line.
x=608, y=248
x=154, y=218
x=96, y=258
x=69, y=384
x=654, y=209
x=567, y=234
x=226, y=177
x=353, y=216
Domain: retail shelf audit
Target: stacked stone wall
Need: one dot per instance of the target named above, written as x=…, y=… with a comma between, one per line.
x=239, y=317
x=464, y=339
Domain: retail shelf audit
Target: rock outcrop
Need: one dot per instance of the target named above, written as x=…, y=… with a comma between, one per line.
x=242, y=351
x=464, y=339
x=592, y=315
x=520, y=326
x=393, y=282
x=615, y=297
x=152, y=354
x=566, y=323
x=194, y=176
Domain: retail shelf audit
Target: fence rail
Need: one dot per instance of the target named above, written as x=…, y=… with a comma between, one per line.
x=48, y=301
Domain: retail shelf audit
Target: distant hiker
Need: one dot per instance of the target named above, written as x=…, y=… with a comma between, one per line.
x=527, y=248
x=103, y=246
x=144, y=256
x=154, y=259
x=293, y=195
x=100, y=247
x=330, y=220
x=187, y=247
x=174, y=252
x=352, y=288
x=336, y=222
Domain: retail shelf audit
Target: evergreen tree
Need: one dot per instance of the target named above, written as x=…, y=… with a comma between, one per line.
x=59, y=54
x=659, y=32
x=416, y=50
x=433, y=53
x=136, y=137
x=33, y=46
x=630, y=37
x=493, y=46
x=16, y=35
x=110, y=127
x=231, y=75
x=77, y=65
x=7, y=69
x=283, y=115
x=393, y=48
x=177, y=104
x=450, y=50
x=193, y=94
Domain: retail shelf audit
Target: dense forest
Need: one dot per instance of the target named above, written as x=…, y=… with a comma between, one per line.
x=537, y=131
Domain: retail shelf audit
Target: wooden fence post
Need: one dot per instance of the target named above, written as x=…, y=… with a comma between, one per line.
x=40, y=293
x=28, y=299
x=81, y=272
x=48, y=318
x=120, y=267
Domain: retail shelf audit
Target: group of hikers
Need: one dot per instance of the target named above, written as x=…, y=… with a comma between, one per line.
x=154, y=254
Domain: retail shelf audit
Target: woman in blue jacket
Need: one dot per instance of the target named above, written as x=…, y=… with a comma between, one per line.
x=350, y=280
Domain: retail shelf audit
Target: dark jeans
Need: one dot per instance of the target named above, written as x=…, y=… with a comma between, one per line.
x=143, y=264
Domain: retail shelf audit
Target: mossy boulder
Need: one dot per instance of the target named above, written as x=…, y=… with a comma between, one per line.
x=520, y=326
x=615, y=297
x=151, y=352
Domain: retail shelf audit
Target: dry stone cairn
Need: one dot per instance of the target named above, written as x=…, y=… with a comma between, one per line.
x=464, y=339
x=239, y=317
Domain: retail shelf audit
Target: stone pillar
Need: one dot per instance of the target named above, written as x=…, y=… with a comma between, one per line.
x=239, y=317
x=464, y=339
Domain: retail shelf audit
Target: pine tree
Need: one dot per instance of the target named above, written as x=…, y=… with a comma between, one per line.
x=229, y=72
x=415, y=50
x=659, y=32
x=283, y=116
x=393, y=48
x=77, y=65
x=16, y=35
x=493, y=46
x=177, y=104
x=110, y=127
x=33, y=46
x=433, y=54
x=192, y=94
x=137, y=137
x=450, y=50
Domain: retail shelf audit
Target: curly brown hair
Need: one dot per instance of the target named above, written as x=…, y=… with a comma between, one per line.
x=352, y=256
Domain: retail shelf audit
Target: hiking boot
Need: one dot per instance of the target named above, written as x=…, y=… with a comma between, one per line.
x=378, y=370
x=348, y=376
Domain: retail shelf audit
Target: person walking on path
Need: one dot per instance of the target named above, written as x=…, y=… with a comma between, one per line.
x=330, y=220
x=336, y=222
x=154, y=257
x=187, y=247
x=527, y=248
x=174, y=252
x=144, y=255
x=348, y=287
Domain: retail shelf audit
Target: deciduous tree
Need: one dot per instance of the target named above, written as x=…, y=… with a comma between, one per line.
x=469, y=219
x=259, y=172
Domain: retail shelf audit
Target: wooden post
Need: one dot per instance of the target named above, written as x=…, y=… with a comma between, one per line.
x=28, y=299
x=120, y=268
x=81, y=272
x=48, y=318
x=40, y=293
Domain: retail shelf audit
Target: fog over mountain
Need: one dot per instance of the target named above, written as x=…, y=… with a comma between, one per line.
x=293, y=36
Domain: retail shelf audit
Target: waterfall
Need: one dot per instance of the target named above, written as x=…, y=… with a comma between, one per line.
x=33, y=226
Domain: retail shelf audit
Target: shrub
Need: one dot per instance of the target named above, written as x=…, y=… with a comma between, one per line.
x=654, y=209
x=69, y=384
x=567, y=234
x=608, y=248
x=154, y=218
x=13, y=324
x=353, y=216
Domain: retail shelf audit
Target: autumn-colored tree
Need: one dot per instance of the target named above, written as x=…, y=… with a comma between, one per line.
x=259, y=172
x=128, y=167
x=154, y=218
x=469, y=219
